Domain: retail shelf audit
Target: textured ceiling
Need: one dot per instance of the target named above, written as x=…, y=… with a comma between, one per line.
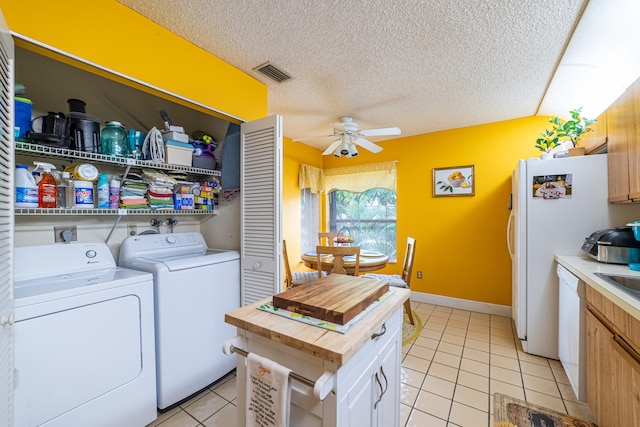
x=423, y=66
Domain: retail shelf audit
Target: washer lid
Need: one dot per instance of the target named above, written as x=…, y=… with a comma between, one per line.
x=68, y=284
x=182, y=261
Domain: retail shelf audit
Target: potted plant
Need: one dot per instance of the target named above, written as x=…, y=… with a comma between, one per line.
x=547, y=142
x=573, y=129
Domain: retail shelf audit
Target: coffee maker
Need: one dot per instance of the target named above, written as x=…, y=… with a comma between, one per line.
x=83, y=129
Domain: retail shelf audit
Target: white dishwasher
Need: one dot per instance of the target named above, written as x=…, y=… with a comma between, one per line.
x=571, y=330
x=194, y=286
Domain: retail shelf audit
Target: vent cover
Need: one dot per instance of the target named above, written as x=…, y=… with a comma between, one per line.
x=273, y=72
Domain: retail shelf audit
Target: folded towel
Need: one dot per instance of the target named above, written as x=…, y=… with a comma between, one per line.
x=268, y=393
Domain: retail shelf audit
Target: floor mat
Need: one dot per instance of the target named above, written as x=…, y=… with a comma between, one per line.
x=512, y=412
x=409, y=331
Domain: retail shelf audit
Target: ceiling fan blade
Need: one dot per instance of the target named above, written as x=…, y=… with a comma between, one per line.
x=381, y=131
x=330, y=149
x=368, y=145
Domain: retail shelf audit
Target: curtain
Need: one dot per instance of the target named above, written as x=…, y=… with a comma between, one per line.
x=357, y=179
x=311, y=177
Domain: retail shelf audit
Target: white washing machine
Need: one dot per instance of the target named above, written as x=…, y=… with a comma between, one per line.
x=84, y=339
x=194, y=287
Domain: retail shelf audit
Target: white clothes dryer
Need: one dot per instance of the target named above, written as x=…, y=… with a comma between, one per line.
x=84, y=339
x=194, y=287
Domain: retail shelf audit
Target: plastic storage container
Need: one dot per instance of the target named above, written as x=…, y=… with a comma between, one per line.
x=26, y=188
x=84, y=172
x=178, y=153
x=83, y=194
x=22, y=116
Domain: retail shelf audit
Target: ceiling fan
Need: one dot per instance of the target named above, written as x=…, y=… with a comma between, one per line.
x=349, y=135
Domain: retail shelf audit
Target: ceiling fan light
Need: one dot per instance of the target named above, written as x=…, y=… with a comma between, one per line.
x=344, y=147
x=353, y=151
x=337, y=152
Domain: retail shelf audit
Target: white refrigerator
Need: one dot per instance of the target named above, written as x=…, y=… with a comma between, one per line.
x=555, y=205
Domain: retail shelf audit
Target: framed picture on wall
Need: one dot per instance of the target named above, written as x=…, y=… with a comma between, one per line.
x=453, y=181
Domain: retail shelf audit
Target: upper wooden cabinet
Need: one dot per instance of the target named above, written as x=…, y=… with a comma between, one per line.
x=623, y=142
x=596, y=140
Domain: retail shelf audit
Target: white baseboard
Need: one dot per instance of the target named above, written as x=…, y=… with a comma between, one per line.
x=462, y=304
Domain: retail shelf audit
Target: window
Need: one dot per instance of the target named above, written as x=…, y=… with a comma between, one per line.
x=370, y=217
x=310, y=220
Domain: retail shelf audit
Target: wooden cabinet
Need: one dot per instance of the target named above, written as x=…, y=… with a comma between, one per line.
x=613, y=363
x=623, y=142
x=596, y=141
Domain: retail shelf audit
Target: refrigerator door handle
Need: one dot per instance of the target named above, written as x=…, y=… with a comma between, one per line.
x=510, y=234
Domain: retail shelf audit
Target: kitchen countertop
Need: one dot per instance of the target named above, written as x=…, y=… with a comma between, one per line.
x=328, y=345
x=584, y=267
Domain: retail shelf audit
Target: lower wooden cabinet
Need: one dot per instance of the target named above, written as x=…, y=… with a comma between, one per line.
x=613, y=374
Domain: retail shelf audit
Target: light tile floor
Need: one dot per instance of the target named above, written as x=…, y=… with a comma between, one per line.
x=449, y=375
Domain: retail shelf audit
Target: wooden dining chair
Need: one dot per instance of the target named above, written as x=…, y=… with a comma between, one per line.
x=327, y=239
x=295, y=278
x=338, y=253
x=401, y=280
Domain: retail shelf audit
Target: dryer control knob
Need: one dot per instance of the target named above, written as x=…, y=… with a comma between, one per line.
x=171, y=239
x=91, y=253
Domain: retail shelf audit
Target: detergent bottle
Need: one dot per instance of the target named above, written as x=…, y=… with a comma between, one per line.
x=47, y=187
x=26, y=188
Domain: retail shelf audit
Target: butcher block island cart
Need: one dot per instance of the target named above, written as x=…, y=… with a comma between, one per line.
x=337, y=379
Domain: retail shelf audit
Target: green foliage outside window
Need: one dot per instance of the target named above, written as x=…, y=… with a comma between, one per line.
x=370, y=217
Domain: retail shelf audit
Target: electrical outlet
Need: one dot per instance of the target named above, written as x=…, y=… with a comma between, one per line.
x=419, y=274
x=132, y=229
x=65, y=233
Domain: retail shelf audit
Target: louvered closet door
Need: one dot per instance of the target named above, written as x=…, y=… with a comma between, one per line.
x=6, y=225
x=261, y=195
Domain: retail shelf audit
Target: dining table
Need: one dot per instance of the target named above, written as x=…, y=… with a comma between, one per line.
x=369, y=261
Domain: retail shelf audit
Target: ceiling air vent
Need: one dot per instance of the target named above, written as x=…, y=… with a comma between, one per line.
x=273, y=72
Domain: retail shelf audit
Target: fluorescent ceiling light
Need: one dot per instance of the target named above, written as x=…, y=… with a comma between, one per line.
x=601, y=61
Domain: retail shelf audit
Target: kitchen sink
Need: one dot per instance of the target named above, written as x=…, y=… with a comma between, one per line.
x=628, y=284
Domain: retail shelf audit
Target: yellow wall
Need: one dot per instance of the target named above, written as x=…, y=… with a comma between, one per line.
x=461, y=241
x=107, y=33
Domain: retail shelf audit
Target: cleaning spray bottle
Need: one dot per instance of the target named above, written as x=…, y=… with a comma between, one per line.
x=47, y=187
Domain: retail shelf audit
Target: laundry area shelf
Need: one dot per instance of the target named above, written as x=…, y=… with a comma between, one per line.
x=119, y=212
x=47, y=151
